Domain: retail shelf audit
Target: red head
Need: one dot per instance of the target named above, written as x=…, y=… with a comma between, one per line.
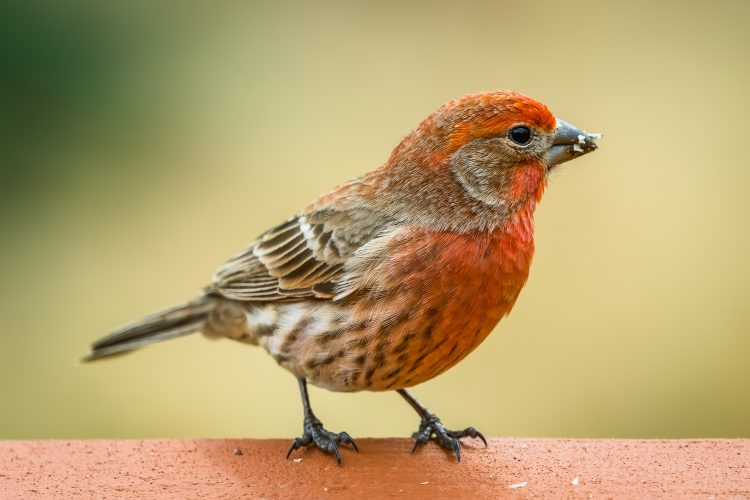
x=471, y=117
x=488, y=152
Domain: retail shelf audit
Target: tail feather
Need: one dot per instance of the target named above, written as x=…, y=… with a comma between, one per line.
x=177, y=321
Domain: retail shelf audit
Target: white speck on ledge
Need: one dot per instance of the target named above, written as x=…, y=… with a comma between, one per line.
x=297, y=460
x=575, y=481
x=519, y=485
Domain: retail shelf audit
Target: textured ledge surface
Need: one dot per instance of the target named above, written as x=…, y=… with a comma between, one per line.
x=508, y=468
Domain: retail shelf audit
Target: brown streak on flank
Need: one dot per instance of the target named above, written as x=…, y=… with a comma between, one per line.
x=380, y=360
x=418, y=361
x=360, y=325
x=264, y=330
x=336, y=320
x=404, y=343
x=361, y=342
x=288, y=341
x=383, y=346
x=392, y=321
x=428, y=332
x=403, y=357
x=453, y=348
x=382, y=332
x=368, y=375
x=292, y=336
x=354, y=343
x=330, y=336
x=360, y=360
x=311, y=364
x=401, y=347
x=328, y=360
x=392, y=373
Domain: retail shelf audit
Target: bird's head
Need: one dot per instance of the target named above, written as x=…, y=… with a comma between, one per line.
x=498, y=147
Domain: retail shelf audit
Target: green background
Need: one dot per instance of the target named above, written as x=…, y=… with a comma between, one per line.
x=144, y=144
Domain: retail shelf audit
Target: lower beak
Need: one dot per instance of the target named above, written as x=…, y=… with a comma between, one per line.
x=568, y=143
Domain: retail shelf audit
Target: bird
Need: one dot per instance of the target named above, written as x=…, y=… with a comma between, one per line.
x=390, y=279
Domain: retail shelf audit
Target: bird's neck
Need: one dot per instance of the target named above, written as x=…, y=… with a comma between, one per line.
x=520, y=227
x=438, y=203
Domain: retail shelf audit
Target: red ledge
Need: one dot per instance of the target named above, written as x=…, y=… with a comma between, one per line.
x=237, y=468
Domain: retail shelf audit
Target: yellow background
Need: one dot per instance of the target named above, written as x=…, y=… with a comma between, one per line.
x=143, y=145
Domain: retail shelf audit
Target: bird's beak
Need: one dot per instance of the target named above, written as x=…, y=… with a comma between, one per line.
x=569, y=142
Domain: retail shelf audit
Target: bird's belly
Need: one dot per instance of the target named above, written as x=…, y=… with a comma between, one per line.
x=440, y=301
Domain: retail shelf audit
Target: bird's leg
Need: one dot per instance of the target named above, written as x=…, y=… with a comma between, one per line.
x=314, y=432
x=431, y=424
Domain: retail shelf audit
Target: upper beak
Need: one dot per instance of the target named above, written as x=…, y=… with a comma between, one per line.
x=569, y=142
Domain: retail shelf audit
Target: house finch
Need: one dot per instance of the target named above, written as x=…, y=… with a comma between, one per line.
x=390, y=279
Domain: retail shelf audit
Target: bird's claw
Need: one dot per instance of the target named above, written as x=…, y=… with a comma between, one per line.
x=314, y=433
x=450, y=440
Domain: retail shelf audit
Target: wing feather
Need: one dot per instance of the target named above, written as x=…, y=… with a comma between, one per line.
x=302, y=258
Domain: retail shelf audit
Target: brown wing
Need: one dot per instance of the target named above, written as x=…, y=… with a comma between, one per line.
x=301, y=258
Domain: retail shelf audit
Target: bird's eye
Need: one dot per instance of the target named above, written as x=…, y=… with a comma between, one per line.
x=520, y=135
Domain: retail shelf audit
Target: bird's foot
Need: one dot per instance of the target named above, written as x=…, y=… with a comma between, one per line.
x=314, y=433
x=431, y=425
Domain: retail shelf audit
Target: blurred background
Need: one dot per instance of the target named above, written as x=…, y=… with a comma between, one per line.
x=142, y=144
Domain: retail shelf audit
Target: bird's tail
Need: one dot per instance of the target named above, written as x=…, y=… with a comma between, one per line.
x=177, y=321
